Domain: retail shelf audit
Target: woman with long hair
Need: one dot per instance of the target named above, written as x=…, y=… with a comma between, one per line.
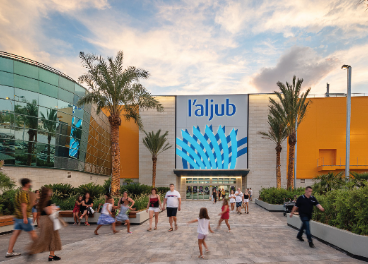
x=246, y=201
x=87, y=203
x=225, y=214
x=232, y=200
x=153, y=207
x=214, y=195
x=76, y=209
x=48, y=239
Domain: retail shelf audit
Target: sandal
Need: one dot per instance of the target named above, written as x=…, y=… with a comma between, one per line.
x=149, y=229
x=201, y=256
x=176, y=227
x=96, y=233
x=86, y=224
x=130, y=232
x=155, y=228
x=171, y=229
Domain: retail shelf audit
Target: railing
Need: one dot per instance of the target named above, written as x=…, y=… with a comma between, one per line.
x=335, y=95
x=36, y=63
x=322, y=166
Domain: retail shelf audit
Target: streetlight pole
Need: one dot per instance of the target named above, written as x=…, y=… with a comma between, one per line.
x=348, y=115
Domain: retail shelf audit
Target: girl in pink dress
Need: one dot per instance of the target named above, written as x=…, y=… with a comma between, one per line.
x=225, y=214
x=76, y=210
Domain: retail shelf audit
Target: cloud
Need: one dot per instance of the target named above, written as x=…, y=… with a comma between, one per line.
x=303, y=62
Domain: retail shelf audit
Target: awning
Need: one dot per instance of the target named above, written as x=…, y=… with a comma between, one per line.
x=229, y=173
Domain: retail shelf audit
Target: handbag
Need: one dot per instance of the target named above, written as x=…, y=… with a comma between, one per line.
x=55, y=220
x=90, y=210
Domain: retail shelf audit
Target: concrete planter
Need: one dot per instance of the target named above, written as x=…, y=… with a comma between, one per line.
x=355, y=245
x=270, y=207
x=140, y=218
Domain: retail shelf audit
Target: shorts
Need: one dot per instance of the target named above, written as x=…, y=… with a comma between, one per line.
x=19, y=225
x=201, y=236
x=246, y=200
x=171, y=211
x=238, y=204
x=34, y=210
x=154, y=209
x=232, y=202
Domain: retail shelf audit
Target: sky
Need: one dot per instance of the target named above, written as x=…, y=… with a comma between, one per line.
x=199, y=46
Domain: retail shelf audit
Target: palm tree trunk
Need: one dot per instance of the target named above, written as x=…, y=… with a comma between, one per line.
x=115, y=123
x=48, y=148
x=154, y=161
x=278, y=166
x=290, y=179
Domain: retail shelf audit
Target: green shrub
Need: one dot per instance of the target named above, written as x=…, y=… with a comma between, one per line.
x=327, y=182
x=64, y=203
x=273, y=195
x=345, y=209
x=359, y=179
x=7, y=202
x=5, y=182
x=162, y=189
x=106, y=186
x=61, y=190
x=94, y=190
x=135, y=189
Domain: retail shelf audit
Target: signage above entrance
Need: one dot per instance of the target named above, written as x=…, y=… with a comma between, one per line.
x=212, y=132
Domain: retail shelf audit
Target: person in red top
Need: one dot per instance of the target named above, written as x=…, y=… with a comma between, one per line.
x=76, y=210
x=225, y=214
x=153, y=207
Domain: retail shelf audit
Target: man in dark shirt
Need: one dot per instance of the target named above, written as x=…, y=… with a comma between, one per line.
x=305, y=205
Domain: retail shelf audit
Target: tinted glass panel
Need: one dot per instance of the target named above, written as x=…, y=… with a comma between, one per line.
x=48, y=89
x=6, y=64
x=25, y=96
x=26, y=83
x=80, y=91
x=48, y=77
x=65, y=96
x=6, y=78
x=25, y=69
x=6, y=92
x=66, y=84
x=47, y=101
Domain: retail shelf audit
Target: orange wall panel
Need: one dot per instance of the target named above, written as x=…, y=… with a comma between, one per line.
x=129, y=148
x=324, y=127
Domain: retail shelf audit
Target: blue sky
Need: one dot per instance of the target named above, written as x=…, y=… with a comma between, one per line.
x=199, y=47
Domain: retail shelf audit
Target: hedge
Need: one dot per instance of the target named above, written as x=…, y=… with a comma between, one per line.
x=273, y=195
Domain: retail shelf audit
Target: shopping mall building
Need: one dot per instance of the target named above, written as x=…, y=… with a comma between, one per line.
x=215, y=140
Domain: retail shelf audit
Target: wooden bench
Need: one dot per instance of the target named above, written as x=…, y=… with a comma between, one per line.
x=6, y=220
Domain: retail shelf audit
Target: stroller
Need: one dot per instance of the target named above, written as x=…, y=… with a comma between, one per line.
x=288, y=206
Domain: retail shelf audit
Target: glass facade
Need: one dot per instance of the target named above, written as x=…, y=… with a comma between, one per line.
x=41, y=126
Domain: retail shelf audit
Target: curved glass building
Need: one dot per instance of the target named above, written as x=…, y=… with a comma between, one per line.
x=40, y=124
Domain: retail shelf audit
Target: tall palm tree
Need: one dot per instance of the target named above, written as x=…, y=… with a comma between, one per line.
x=28, y=117
x=118, y=90
x=49, y=123
x=277, y=133
x=156, y=144
x=291, y=108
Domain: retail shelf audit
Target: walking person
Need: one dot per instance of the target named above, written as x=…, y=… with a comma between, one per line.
x=214, y=195
x=76, y=210
x=153, y=207
x=223, y=194
x=35, y=215
x=22, y=212
x=225, y=214
x=219, y=194
x=49, y=238
x=232, y=200
x=86, y=206
x=202, y=229
x=123, y=205
x=305, y=205
x=173, y=201
x=106, y=217
x=250, y=194
x=246, y=202
x=238, y=200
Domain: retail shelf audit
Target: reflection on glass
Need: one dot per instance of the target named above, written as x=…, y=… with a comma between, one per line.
x=48, y=102
x=76, y=134
x=189, y=192
x=7, y=92
x=65, y=107
x=25, y=96
x=206, y=192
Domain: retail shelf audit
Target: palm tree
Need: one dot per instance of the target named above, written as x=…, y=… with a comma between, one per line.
x=156, y=144
x=118, y=90
x=29, y=114
x=49, y=123
x=277, y=133
x=291, y=108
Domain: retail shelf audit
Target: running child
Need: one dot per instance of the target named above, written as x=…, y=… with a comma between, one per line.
x=225, y=214
x=123, y=205
x=202, y=230
x=106, y=217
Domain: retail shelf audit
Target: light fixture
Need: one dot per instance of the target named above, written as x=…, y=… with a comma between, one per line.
x=7, y=98
x=345, y=66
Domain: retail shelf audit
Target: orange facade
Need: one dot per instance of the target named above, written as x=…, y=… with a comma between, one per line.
x=129, y=148
x=321, y=137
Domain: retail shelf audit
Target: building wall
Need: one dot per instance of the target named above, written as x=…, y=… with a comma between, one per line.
x=261, y=152
x=322, y=136
x=129, y=148
x=42, y=176
x=153, y=121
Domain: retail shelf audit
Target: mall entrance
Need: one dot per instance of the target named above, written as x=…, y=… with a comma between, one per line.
x=200, y=188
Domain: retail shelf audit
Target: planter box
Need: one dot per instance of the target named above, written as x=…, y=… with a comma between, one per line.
x=270, y=207
x=140, y=217
x=353, y=244
x=7, y=224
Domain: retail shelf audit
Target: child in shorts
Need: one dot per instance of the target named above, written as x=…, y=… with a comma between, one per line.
x=202, y=230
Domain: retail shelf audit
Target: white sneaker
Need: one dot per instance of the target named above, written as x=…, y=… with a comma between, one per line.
x=13, y=254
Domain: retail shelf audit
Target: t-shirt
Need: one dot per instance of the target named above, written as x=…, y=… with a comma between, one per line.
x=105, y=207
x=250, y=192
x=239, y=197
x=48, y=204
x=305, y=205
x=172, y=199
x=203, y=226
x=232, y=198
x=22, y=197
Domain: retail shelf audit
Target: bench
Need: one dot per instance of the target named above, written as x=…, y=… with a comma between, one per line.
x=6, y=220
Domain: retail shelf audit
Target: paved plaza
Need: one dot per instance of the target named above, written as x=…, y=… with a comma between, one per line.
x=259, y=237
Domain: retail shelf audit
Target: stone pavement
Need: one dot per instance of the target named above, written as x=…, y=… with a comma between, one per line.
x=258, y=237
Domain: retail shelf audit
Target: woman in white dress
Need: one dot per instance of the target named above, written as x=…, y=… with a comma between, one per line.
x=232, y=200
